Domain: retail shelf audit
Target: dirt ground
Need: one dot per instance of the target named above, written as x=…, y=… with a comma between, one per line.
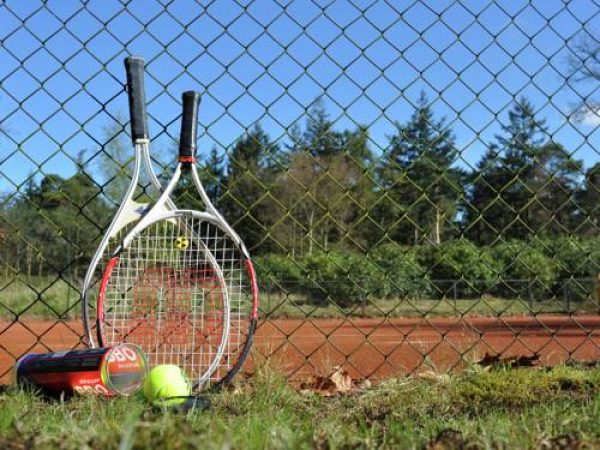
x=367, y=347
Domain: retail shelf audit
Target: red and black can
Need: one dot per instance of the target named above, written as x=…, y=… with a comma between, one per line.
x=118, y=370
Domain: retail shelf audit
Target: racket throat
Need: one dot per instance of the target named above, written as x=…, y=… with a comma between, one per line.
x=186, y=162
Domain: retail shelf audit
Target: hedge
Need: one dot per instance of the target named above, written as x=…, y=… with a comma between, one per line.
x=452, y=269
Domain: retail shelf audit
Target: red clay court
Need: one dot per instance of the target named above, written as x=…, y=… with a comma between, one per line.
x=367, y=347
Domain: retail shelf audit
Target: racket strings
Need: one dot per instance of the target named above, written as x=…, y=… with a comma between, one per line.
x=144, y=191
x=180, y=291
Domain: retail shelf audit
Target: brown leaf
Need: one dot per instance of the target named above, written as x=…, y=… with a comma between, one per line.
x=450, y=440
x=338, y=382
x=489, y=360
x=563, y=442
x=362, y=384
x=509, y=361
x=434, y=376
x=342, y=380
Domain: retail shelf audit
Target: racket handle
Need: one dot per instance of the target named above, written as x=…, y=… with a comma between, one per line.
x=134, y=66
x=189, y=126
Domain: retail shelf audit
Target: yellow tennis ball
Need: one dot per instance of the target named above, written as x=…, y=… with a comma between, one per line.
x=165, y=381
x=181, y=243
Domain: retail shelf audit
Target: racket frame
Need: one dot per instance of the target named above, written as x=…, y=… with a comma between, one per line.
x=129, y=210
x=164, y=209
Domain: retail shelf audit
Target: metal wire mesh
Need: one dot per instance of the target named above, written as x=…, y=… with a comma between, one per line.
x=417, y=181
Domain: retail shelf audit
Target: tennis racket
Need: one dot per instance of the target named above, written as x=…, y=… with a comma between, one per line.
x=130, y=211
x=181, y=284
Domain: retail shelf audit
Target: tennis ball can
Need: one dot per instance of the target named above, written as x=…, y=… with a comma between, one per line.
x=108, y=372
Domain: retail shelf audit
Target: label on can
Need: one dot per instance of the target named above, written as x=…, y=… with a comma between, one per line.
x=118, y=370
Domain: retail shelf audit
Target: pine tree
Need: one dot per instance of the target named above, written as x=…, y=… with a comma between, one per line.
x=588, y=200
x=324, y=191
x=420, y=185
x=248, y=179
x=212, y=174
x=525, y=184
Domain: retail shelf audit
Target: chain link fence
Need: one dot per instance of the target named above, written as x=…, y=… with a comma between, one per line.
x=419, y=182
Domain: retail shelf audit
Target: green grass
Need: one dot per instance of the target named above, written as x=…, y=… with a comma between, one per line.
x=51, y=297
x=39, y=296
x=502, y=408
x=297, y=306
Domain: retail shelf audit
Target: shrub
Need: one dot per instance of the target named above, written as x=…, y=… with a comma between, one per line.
x=459, y=268
x=344, y=278
x=278, y=272
x=403, y=275
x=574, y=257
x=590, y=261
x=525, y=270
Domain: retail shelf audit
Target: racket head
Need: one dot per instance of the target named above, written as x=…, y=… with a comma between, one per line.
x=181, y=289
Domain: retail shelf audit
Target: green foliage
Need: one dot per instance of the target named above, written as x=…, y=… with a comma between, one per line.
x=525, y=270
x=420, y=179
x=276, y=271
x=455, y=269
x=403, y=275
x=574, y=257
x=54, y=226
x=461, y=267
x=328, y=203
x=344, y=278
x=524, y=184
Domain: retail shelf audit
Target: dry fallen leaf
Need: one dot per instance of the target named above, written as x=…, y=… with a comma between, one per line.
x=563, y=442
x=362, y=384
x=342, y=380
x=338, y=382
x=448, y=440
x=434, y=376
x=511, y=361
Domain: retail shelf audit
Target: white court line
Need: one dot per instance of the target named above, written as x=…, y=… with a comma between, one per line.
x=263, y=342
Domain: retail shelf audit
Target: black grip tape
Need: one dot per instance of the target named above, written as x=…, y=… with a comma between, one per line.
x=189, y=124
x=134, y=66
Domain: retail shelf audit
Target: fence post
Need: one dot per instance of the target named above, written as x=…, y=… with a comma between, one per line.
x=567, y=295
x=598, y=291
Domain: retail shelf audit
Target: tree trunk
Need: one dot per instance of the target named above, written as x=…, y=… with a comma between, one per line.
x=28, y=257
x=436, y=227
x=310, y=232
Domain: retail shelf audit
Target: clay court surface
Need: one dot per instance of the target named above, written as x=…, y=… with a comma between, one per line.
x=366, y=347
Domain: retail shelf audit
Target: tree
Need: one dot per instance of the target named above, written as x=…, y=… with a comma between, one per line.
x=588, y=200
x=54, y=225
x=115, y=162
x=556, y=180
x=212, y=174
x=584, y=66
x=324, y=189
x=248, y=180
x=524, y=185
x=501, y=190
x=420, y=184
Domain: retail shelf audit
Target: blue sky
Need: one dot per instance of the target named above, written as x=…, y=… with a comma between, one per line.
x=267, y=61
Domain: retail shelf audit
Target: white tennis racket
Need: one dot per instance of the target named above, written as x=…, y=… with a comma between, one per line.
x=129, y=211
x=181, y=284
